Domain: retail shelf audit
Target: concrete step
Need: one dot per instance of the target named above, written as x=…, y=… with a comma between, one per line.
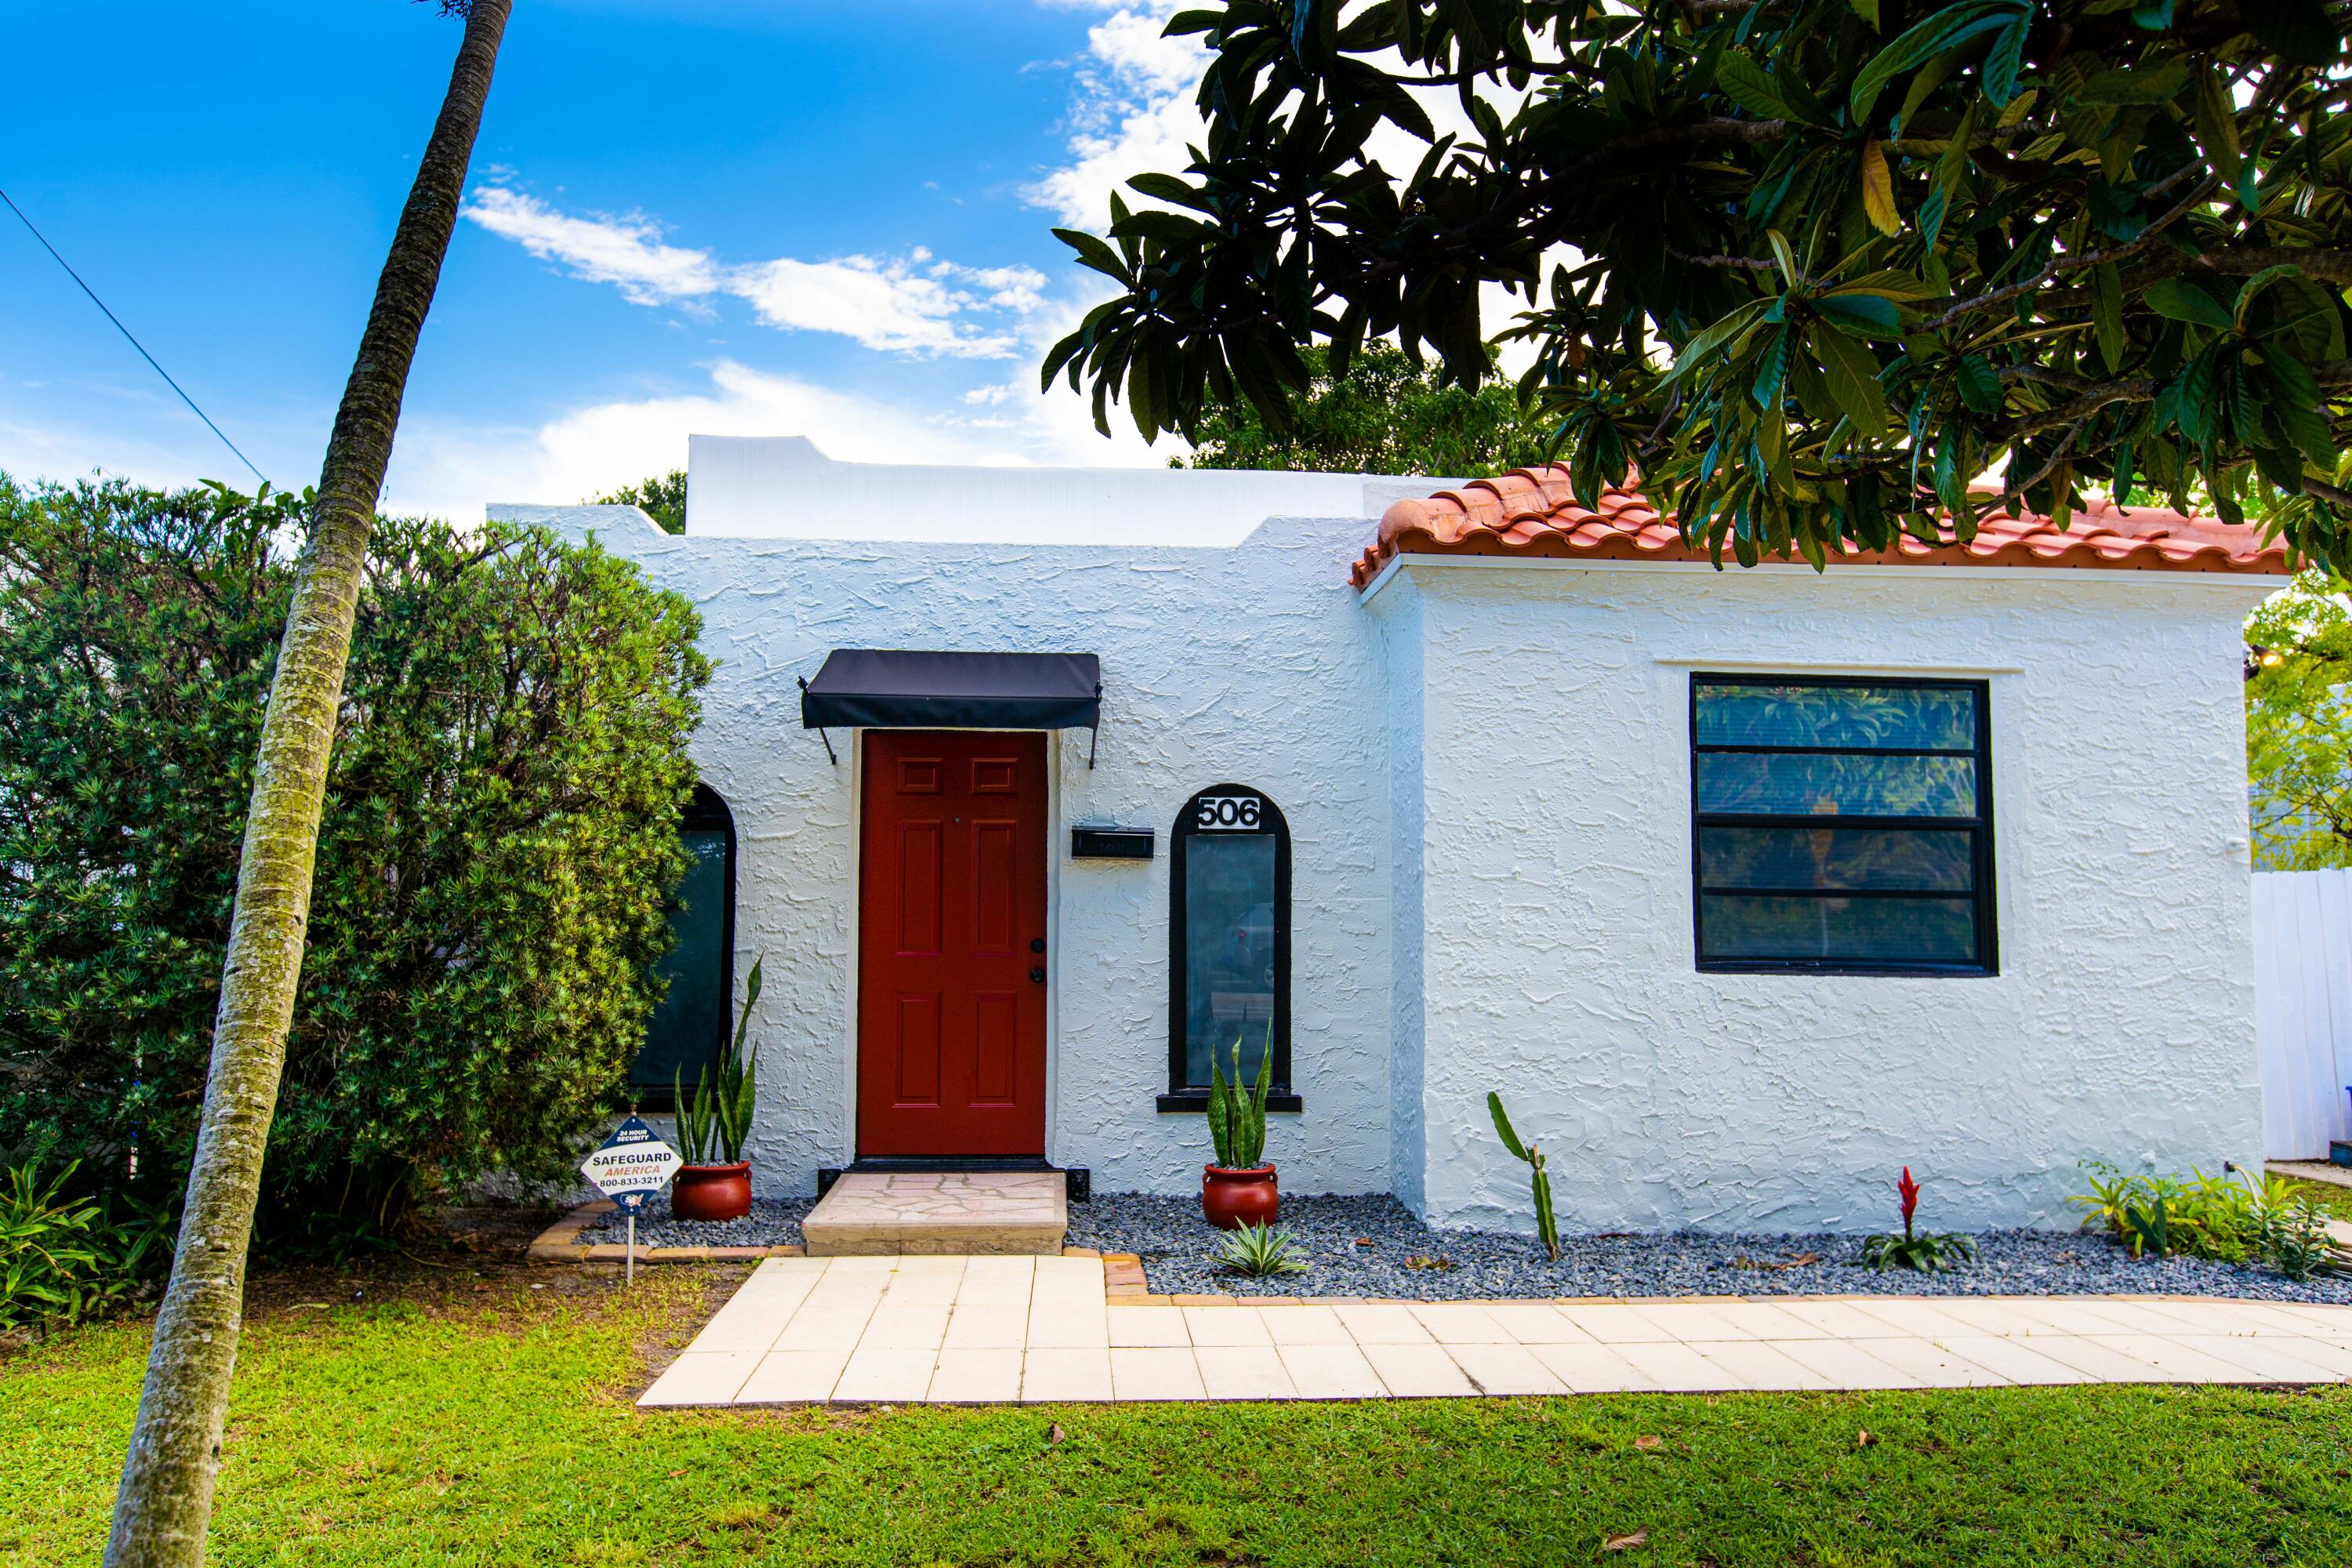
x=869, y=1214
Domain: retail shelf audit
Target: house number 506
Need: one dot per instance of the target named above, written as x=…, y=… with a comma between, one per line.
x=1229, y=812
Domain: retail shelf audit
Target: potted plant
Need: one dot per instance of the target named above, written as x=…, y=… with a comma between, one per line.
x=1238, y=1190
x=715, y=1183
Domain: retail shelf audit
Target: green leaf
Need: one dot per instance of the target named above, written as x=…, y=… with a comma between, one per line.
x=2135, y=84
x=1773, y=369
x=1865, y=315
x=1096, y=253
x=2179, y=300
x=1745, y=83
x=1709, y=343
x=1980, y=387
x=2107, y=313
x=1867, y=10
x=1851, y=372
x=1939, y=31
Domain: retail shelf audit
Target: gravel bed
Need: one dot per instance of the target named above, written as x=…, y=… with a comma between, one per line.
x=772, y=1222
x=1409, y=1259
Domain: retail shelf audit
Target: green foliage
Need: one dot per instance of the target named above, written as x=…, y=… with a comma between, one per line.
x=716, y=1119
x=1547, y=1226
x=499, y=838
x=1919, y=1252
x=2260, y=1219
x=661, y=498
x=1260, y=1251
x=1236, y=1115
x=2299, y=726
x=1826, y=262
x=2292, y=1235
x=1384, y=415
x=66, y=1257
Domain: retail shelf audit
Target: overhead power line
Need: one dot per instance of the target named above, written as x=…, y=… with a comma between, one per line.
x=134, y=343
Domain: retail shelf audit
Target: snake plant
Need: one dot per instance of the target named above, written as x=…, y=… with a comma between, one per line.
x=714, y=1124
x=1237, y=1116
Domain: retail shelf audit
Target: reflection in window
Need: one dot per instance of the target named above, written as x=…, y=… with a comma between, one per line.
x=1230, y=936
x=1842, y=824
x=684, y=1034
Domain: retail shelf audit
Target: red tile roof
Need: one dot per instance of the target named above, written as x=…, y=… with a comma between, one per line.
x=1530, y=515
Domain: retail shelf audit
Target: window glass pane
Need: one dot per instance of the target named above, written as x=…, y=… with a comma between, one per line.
x=1864, y=717
x=1942, y=862
x=1857, y=930
x=682, y=1037
x=1799, y=785
x=1228, y=949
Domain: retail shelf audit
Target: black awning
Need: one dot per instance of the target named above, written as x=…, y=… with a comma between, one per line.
x=894, y=688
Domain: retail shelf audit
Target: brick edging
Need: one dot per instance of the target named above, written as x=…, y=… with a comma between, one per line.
x=560, y=1243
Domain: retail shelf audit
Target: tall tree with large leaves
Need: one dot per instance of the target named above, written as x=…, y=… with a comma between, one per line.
x=1809, y=267
x=164, y=1502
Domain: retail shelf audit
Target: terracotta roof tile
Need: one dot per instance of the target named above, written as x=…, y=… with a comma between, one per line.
x=1530, y=513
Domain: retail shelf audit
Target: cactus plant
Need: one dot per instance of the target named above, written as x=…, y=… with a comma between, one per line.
x=1547, y=1228
x=1237, y=1116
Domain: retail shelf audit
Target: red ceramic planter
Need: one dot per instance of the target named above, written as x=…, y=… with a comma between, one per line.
x=1232, y=1199
x=711, y=1192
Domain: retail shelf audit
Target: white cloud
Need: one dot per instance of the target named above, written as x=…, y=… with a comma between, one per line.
x=912, y=304
x=625, y=250
x=1134, y=111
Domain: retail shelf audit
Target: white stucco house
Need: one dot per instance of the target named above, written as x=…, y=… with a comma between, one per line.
x=1744, y=888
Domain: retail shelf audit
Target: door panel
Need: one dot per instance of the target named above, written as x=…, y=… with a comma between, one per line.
x=952, y=1027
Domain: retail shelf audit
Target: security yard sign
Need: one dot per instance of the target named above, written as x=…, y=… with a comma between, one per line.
x=631, y=1166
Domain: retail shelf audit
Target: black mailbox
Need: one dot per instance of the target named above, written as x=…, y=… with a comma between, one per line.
x=1110, y=843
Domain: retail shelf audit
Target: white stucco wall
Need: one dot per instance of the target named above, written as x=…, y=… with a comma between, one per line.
x=1556, y=958
x=1252, y=664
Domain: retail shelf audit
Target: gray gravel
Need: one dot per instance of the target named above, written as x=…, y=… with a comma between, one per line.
x=1410, y=1261
x=1174, y=1243
x=771, y=1222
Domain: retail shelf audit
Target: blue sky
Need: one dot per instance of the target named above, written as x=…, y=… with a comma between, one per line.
x=744, y=216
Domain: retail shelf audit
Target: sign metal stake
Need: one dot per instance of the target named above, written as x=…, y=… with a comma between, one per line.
x=631, y=1166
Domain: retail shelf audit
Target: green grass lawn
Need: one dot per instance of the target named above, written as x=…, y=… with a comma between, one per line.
x=465, y=1420
x=2335, y=1200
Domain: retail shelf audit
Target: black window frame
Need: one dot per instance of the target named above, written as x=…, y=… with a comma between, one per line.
x=1187, y=1097
x=1983, y=890
x=705, y=812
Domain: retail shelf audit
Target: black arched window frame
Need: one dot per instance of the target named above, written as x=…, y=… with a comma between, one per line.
x=705, y=811
x=1183, y=1096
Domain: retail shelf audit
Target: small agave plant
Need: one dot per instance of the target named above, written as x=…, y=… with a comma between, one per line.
x=1261, y=1251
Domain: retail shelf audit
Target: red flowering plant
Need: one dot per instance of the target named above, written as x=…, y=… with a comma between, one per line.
x=1921, y=1254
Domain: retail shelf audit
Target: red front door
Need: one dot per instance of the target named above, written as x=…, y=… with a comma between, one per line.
x=951, y=955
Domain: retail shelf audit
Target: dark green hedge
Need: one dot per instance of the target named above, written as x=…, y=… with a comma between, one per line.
x=499, y=838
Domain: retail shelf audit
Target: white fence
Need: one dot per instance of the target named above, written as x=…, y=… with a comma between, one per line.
x=2303, y=1009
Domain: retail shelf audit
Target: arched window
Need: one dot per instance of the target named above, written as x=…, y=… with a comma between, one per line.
x=1229, y=943
x=687, y=1030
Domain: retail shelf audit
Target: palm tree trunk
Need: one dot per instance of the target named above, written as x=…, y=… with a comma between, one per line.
x=165, y=1500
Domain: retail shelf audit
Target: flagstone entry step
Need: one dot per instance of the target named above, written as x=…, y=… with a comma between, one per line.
x=977, y=1212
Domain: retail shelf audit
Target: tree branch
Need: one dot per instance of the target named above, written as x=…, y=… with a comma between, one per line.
x=2064, y=264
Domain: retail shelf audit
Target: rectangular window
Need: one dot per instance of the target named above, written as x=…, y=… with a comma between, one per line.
x=1842, y=824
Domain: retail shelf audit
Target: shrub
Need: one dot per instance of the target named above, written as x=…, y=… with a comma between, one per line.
x=2262, y=1219
x=499, y=841
x=65, y=1257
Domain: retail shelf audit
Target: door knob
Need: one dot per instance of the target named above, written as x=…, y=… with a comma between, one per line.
x=1039, y=976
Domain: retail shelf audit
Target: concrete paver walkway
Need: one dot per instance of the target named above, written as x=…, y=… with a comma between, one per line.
x=987, y=1329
